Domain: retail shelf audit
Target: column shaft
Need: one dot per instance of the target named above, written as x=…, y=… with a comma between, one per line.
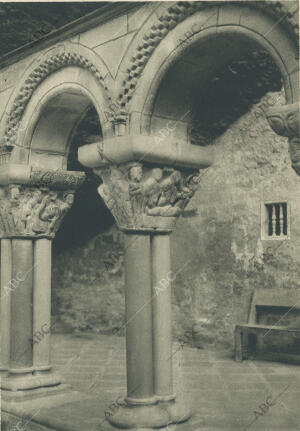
x=162, y=324
x=42, y=304
x=138, y=318
x=21, y=355
x=6, y=276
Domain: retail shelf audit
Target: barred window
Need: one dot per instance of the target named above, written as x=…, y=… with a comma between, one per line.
x=275, y=224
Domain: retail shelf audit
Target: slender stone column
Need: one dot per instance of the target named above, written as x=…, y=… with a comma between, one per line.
x=42, y=301
x=141, y=409
x=138, y=302
x=6, y=286
x=21, y=352
x=162, y=326
x=30, y=216
x=42, y=310
x=162, y=277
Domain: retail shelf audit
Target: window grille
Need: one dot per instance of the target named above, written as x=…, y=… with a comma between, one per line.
x=276, y=223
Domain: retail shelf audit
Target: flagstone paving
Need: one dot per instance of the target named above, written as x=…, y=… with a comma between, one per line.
x=225, y=395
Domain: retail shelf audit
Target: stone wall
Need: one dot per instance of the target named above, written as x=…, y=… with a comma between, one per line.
x=223, y=239
x=218, y=255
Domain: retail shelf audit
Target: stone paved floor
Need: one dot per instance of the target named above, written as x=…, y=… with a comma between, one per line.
x=225, y=395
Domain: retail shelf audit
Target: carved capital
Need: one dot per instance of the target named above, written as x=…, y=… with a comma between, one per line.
x=145, y=198
x=284, y=120
x=31, y=212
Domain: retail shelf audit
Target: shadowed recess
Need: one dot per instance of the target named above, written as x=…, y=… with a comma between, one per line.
x=212, y=85
x=89, y=215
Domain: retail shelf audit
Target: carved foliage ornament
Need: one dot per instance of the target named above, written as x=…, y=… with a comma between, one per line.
x=142, y=197
x=57, y=178
x=179, y=12
x=31, y=211
x=285, y=121
x=50, y=65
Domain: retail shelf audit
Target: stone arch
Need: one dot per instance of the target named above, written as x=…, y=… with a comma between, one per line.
x=55, y=93
x=271, y=26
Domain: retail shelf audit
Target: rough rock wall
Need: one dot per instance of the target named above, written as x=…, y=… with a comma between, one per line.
x=217, y=252
x=228, y=258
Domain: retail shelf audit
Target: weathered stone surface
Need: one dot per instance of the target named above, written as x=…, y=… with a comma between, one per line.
x=112, y=52
x=88, y=282
x=108, y=31
x=137, y=17
x=229, y=259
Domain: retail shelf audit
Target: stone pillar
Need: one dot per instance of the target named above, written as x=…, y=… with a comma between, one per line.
x=29, y=218
x=162, y=278
x=139, y=319
x=284, y=120
x=141, y=404
x=162, y=327
x=21, y=355
x=42, y=310
x=145, y=202
x=6, y=277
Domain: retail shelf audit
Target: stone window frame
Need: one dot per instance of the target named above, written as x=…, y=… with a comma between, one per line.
x=265, y=218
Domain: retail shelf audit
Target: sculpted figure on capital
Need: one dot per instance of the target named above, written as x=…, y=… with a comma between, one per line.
x=138, y=194
x=30, y=211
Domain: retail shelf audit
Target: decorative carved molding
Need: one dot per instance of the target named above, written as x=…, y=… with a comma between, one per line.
x=285, y=121
x=282, y=12
x=145, y=198
x=178, y=13
x=57, y=178
x=40, y=73
x=32, y=212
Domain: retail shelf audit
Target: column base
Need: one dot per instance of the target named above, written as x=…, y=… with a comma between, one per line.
x=129, y=416
x=15, y=397
x=28, y=381
x=178, y=410
x=161, y=414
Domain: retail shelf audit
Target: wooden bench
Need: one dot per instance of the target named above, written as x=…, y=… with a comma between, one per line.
x=283, y=306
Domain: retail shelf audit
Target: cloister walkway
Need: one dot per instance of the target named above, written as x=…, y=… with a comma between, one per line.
x=225, y=394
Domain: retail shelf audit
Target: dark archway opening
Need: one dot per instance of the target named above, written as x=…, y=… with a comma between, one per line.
x=87, y=282
x=89, y=215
